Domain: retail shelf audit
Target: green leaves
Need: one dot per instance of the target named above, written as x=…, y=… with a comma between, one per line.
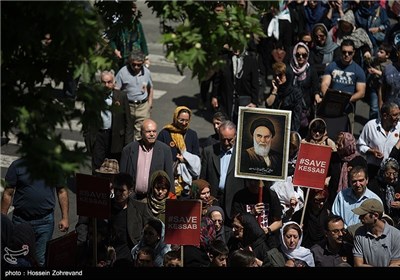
x=195, y=35
x=35, y=74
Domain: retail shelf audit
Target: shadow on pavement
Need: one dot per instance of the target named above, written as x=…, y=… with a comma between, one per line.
x=192, y=102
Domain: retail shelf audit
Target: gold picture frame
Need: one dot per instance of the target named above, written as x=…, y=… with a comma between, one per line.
x=254, y=162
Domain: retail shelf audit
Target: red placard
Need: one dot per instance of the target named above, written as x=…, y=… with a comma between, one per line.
x=182, y=222
x=312, y=166
x=93, y=196
x=61, y=252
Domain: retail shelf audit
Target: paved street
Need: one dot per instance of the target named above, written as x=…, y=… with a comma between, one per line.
x=172, y=90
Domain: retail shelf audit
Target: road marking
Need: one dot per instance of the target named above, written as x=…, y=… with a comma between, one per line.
x=167, y=78
x=160, y=60
x=75, y=126
x=69, y=143
x=7, y=160
x=158, y=93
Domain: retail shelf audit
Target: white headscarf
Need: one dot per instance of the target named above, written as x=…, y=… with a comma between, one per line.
x=299, y=253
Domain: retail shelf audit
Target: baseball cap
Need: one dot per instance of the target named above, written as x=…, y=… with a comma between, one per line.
x=368, y=206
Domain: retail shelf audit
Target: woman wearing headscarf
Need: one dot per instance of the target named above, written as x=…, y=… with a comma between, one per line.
x=341, y=162
x=184, y=144
x=386, y=185
x=217, y=215
x=314, y=11
x=201, y=190
x=247, y=234
x=159, y=193
x=196, y=256
x=153, y=236
x=306, y=79
x=325, y=50
x=284, y=95
x=295, y=254
x=318, y=134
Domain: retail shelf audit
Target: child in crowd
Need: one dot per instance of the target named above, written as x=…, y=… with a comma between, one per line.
x=374, y=72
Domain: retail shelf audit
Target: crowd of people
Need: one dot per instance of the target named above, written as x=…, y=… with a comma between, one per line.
x=353, y=220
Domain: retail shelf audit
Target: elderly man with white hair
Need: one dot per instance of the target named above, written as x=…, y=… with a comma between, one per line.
x=261, y=159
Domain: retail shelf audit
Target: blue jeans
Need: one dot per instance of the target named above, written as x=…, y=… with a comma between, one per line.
x=373, y=104
x=43, y=228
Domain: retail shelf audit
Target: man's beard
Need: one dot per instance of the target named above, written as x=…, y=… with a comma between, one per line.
x=261, y=149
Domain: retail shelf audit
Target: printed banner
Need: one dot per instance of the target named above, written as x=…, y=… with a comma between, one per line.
x=312, y=166
x=182, y=222
x=93, y=196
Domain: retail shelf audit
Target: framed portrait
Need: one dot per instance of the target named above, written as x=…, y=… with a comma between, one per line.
x=262, y=146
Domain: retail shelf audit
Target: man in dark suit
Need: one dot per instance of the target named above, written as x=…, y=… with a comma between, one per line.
x=141, y=158
x=218, y=168
x=117, y=129
x=236, y=84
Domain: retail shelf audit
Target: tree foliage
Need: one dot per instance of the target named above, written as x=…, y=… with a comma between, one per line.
x=195, y=34
x=32, y=72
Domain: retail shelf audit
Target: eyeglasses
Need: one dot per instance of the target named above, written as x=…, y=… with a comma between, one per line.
x=136, y=64
x=183, y=121
x=390, y=174
x=218, y=221
x=336, y=231
x=302, y=55
x=347, y=53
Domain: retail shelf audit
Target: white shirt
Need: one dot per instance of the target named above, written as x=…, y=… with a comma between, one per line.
x=373, y=136
x=224, y=164
x=106, y=116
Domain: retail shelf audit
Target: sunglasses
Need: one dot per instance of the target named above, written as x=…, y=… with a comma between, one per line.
x=320, y=131
x=136, y=65
x=302, y=55
x=347, y=53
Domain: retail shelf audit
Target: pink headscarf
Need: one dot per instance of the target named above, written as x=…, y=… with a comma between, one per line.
x=300, y=72
x=347, y=152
